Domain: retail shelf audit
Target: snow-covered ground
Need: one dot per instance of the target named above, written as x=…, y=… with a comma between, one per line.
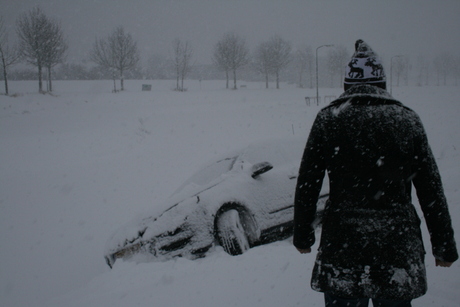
x=76, y=164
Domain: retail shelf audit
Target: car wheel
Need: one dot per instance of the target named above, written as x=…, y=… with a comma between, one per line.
x=231, y=234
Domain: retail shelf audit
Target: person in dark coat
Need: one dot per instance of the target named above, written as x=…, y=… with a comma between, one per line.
x=373, y=149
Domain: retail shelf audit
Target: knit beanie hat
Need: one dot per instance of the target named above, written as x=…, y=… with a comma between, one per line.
x=364, y=67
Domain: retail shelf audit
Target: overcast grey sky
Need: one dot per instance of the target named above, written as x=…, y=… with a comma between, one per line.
x=391, y=27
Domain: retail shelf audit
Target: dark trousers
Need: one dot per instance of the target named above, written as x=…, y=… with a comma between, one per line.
x=333, y=301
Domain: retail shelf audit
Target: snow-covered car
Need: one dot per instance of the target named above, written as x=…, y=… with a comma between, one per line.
x=243, y=200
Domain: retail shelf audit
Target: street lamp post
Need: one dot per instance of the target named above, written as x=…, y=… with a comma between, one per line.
x=391, y=72
x=317, y=94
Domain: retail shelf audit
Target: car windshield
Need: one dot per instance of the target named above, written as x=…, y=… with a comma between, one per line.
x=209, y=173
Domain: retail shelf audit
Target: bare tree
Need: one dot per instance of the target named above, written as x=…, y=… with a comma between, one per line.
x=126, y=52
x=220, y=59
x=401, y=68
x=55, y=48
x=8, y=55
x=32, y=28
x=231, y=53
x=304, y=62
x=183, y=53
x=423, y=75
x=337, y=61
x=442, y=65
x=186, y=67
x=117, y=53
x=104, y=56
x=42, y=42
x=262, y=60
x=272, y=56
x=280, y=54
x=177, y=50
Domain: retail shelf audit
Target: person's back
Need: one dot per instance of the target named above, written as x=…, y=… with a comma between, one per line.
x=374, y=149
x=370, y=143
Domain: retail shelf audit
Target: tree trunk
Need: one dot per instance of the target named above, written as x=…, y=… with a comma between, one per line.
x=234, y=79
x=266, y=79
x=277, y=80
x=300, y=79
x=40, y=82
x=49, y=80
x=121, y=81
x=226, y=75
x=177, y=81
x=114, y=83
x=5, y=77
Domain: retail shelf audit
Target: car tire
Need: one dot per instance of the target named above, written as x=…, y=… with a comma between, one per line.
x=231, y=234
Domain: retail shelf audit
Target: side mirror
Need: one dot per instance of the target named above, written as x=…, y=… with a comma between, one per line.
x=260, y=168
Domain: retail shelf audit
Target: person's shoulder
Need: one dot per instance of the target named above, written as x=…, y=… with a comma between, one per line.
x=411, y=114
x=365, y=94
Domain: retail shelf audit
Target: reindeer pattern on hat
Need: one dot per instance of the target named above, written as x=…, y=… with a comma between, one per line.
x=377, y=68
x=355, y=72
x=364, y=66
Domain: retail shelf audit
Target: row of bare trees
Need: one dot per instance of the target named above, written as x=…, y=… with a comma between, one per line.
x=42, y=45
x=273, y=56
x=270, y=57
x=118, y=53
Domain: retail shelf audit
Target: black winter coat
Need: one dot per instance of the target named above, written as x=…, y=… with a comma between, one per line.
x=373, y=149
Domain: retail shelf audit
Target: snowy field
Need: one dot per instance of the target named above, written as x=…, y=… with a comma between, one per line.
x=76, y=164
